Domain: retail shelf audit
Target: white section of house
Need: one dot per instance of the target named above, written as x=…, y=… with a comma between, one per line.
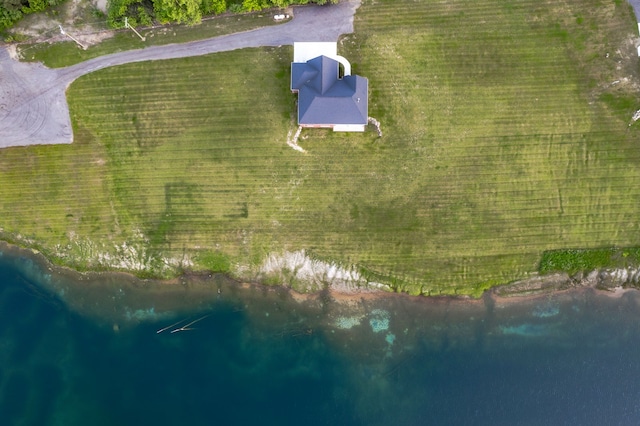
x=305, y=51
x=348, y=128
x=345, y=63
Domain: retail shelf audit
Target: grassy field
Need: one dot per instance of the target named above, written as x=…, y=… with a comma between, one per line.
x=573, y=261
x=506, y=135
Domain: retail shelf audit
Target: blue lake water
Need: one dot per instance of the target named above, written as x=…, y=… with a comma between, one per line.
x=78, y=351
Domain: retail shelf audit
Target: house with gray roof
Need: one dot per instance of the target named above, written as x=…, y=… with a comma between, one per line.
x=328, y=97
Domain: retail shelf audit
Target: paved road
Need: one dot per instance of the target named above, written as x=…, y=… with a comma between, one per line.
x=33, y=106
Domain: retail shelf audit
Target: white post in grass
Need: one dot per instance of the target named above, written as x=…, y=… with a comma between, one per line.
x=72, y=38
x=126, y=25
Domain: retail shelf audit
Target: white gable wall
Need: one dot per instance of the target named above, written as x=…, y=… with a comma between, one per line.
x=349, y=128
x=305, y=51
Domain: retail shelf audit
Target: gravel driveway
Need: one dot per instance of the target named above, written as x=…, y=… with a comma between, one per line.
x=33, y=106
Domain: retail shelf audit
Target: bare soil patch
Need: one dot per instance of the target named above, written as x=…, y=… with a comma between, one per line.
x=84, y=19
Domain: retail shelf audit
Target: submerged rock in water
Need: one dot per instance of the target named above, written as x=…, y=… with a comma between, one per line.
x=347, y=323
x=379, y=320
x=390, y=338
x=547, y=310
x=525, y=330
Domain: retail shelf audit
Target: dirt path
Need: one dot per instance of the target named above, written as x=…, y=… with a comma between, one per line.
x=33, y=106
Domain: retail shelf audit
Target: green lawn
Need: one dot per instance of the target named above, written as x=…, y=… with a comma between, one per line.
x=504, y=137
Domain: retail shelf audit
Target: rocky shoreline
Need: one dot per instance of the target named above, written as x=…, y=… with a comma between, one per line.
x=613, y=281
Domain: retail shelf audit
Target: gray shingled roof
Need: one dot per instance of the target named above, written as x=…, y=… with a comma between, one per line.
x=323, y=98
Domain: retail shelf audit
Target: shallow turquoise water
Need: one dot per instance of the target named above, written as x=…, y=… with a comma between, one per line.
x=264, y=359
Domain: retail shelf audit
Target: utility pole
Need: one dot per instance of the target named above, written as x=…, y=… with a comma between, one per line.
x=72, y=38
x=126, y=25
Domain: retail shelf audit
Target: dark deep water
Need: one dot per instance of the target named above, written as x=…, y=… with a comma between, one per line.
x=261, y=358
